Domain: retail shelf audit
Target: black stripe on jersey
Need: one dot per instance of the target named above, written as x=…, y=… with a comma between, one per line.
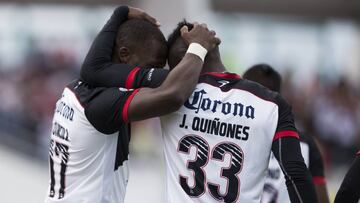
x=52, y=178
x=122, y=149
x=241, y=84
x=203, y=148
x=85, y=94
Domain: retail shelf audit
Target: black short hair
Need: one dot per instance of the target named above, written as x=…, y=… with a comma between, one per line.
x=137, y=32
x=265, y=75
x=176, y=32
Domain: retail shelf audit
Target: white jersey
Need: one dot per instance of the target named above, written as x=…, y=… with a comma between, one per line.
x=86, y=166
x=217, y=145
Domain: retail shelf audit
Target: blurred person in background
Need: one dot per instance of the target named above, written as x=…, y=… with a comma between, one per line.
x=91, y=131
x=275, y=187
x=349, y=190
x=331, y=115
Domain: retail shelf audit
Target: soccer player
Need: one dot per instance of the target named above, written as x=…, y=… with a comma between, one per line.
x=275, y=188
x=218, y=144
x=91, y=132
x=349, y=191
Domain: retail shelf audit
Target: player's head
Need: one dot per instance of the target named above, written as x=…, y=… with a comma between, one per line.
x=265, y=75
x=141, y=43
x=178, y=47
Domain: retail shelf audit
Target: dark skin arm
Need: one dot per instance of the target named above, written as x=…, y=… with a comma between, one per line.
x=180, y=82
x=98, y=68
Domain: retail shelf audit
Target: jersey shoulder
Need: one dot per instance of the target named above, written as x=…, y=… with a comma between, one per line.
x=229, y=81
x=84, y=92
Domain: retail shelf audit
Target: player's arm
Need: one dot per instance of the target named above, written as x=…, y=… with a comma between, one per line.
x=180, y=82
x=349, y=190
x=112, y=107
x=286, y=148
x=316, y=167
x=98, y=69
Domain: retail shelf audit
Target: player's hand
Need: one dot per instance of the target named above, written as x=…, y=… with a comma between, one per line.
x=202, y=35
x=141, y=14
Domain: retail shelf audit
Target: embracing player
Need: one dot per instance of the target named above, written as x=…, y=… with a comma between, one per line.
x=275, y=188
x=91, y=131
x=217, y=146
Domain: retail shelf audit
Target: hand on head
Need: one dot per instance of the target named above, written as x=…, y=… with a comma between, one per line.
x=141, y=14
x=200, y=34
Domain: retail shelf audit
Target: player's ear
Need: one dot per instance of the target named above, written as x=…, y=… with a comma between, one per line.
x=124, y=54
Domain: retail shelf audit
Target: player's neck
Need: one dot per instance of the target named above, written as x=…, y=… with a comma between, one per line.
x=213, y=65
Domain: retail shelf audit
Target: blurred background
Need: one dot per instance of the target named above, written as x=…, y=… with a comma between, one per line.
x=314, y=44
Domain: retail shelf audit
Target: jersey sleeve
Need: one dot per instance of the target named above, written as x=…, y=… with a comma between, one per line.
x=349, y=189
x=99, y=70
x=297, y=177
x=316, y=164
x=108, y=110
x=146, y=77
x=286, y=124
x=286, y=149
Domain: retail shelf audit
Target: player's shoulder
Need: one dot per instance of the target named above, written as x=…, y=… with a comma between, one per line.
x=84, y=92
x=229, y=81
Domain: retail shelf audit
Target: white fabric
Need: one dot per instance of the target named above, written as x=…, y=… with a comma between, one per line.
x=256, y=150
x=90, y=175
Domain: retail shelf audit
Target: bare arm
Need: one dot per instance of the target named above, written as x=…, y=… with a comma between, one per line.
x=171, y=95
x=111, y=107
x=178, y=85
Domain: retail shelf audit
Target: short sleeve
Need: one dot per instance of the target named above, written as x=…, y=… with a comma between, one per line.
x=286, y=124
x=108, y=110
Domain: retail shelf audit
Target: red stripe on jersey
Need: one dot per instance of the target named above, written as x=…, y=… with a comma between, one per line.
x=319, y=180
x=131, y=77
x=358, y=153
x=125, y=115
x=286, y=133
x=224, y=75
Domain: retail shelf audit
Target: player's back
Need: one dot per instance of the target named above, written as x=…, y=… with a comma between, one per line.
x=217, y=146
x=84, y=163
